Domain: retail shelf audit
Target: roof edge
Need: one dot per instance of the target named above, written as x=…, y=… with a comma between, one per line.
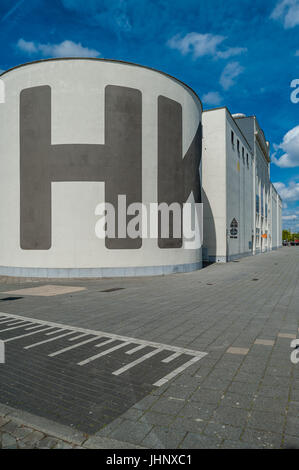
x=99, y=59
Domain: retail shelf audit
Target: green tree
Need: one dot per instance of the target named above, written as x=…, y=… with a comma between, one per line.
x=286, y=235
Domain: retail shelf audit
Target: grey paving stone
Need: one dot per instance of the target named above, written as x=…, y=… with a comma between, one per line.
x=197, y=410
x=200, y=441
x=132, y=432
x=292, y=425
x=163, y=438
x=242, y=388
x=31, y=439
x=196, y=425
x=215, y=383
x=178, y=310
x=223, y=431
x=154, y=418
x=205, y=395
x=107, y=430
x=46, y=443
x=277, y=404
x=63, y=445
x=290, y=442
x=3, y=421
x=237, y=401
x=267, y=421
x=132, y=414
x=22, y=432
x=229, y=415
x=167, y=405
x=267, y=440
x=97, y=442
x=177, y=391
x=228, y=444
x=8, y=441
x=10, y=427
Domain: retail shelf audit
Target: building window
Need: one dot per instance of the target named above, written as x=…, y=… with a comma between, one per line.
x=243, y=155
x=233, y=229
x=238, y=146
x=257, y=204
x=247, y=160
x=233, y=139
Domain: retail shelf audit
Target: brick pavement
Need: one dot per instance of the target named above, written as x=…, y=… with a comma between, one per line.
x=243, y=394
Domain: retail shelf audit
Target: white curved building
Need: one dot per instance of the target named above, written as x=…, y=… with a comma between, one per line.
x=75, y=133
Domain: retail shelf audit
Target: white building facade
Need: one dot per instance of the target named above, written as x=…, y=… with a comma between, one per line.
x=242, y=210
x=79, y=133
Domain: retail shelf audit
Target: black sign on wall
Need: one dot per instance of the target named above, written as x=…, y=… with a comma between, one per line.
x=233, y=229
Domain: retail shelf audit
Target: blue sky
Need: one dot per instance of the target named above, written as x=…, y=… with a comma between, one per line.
x=241, y=54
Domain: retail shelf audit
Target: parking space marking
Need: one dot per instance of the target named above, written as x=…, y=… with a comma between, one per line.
x=138, y=361
x=176, y=372
x=15, y=327
x=101, y=339
x=105, y=342
x=172, y=357
x=55, y=332
x=48, y=340
x=104, y=353
x=132, y=351
x=27, y=334
x=78, y=337
x=61, y=351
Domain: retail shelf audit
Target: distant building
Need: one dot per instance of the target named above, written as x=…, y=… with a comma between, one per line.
x=242, y=209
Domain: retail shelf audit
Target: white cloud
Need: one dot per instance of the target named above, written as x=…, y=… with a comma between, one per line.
x=27, y=46
x=203, y=44
x=212, y=98
x=287, y=11
x=229, y=74
x=290, y=147
x=64, y=49
x=297, y=53
x=1, y=71
x=289, y=217
x=288, y=193
x=231, y=52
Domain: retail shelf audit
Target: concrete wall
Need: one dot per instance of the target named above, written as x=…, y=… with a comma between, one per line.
x=227, y=188
x=276, y=219
x=239, y=191
x=74, y=133
x=214, y=185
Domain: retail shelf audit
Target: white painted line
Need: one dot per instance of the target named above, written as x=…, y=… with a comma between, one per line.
x=13, y=322
x=138, y=361
x=172, y=357
x=15, y=327
x=79, y=336
x=57, y=331
x=110, y=335
x=92, y=358
x=105, y=342
x=132, y=351
x=48, y=340
x=6, y=321
x=2, y=352
x=96, y=338
x=33, y=327
x=28, y=334
x=177, y=371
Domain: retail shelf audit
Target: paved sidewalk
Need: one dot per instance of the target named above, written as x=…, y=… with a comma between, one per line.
x=244, y=393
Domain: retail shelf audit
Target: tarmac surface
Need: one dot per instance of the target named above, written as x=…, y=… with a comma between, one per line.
x=195, y=360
